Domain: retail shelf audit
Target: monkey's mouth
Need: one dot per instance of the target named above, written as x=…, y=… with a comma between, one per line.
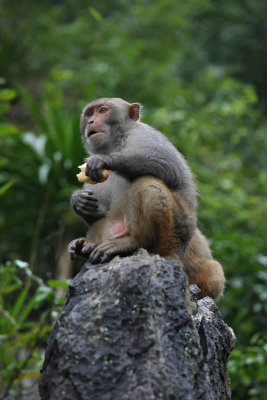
x=94, y=134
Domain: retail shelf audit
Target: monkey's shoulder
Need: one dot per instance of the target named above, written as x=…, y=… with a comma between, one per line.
x=144, y=136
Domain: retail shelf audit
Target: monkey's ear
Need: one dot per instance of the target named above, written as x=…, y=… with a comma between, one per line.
x=134, y=111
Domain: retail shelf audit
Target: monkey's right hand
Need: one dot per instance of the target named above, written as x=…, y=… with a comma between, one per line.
x=95, y=165
x=80, y=247
x=86, y=205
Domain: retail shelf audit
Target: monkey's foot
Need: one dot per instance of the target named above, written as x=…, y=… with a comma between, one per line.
x=80, y=247
x=111, y=248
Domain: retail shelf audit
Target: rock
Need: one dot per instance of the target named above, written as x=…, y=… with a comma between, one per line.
x=126, y=334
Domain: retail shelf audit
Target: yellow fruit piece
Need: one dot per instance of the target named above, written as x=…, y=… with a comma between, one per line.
x=86, y=179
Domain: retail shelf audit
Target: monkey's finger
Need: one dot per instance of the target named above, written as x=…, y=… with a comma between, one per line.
x=73, y=247
x=96, y=162
x=94, y=169
x=96, y=174
x=86, y=172
x=72, y=255
x=88, y=212
x=89, y=192
x=85, y=200
x=77, y=244
x=80, y=241
x=83, y=203
x=86, y=196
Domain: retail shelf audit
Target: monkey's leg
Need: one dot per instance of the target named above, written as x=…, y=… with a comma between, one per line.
x=80, y=247
x=110, y=248
x=150, y=217
x=148, y=221
x=152, y=213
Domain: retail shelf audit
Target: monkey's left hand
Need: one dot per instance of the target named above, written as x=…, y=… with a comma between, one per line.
x=95, y=165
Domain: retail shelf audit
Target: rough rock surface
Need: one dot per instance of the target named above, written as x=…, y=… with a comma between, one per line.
x=125, y=334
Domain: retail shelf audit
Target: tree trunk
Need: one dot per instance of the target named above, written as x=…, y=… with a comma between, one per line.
x=126, y=334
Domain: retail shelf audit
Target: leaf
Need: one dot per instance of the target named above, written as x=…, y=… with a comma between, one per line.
x=43, y=293
x=33, y=106
x=4, y=108
x=8, y=129
x=8, y=324
x=20, y=301
x=11, y=288
x=21, y=264
x=60, y=302
x=7, y=94
x=26, y=310
x=58, y=283
x=24, y=266
x=95, y=14
x=4, y=188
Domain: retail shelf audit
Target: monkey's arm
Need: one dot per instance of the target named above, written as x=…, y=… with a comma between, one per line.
x=167, y=165
x=154, y=163
x=86, y=206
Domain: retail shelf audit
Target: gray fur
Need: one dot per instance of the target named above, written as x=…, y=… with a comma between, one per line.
x=131, y=149
x=109, y=193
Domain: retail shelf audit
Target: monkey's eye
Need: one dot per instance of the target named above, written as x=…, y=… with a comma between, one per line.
x=89, y=113
x=103, y=109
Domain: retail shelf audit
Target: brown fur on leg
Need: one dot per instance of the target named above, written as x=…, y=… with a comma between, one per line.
x=152, y=211
x=148, y=216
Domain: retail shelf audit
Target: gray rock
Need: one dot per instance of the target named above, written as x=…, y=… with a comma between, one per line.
x=126, y=334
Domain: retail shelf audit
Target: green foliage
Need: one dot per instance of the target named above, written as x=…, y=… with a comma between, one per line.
x=27, y=309
x=37, y=179
x=234, y=35
x=247, y=368
x=224, y=138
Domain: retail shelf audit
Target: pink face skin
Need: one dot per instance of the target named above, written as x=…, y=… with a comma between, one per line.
x=95, y=117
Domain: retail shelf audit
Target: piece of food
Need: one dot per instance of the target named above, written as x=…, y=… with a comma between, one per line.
x=86, y=179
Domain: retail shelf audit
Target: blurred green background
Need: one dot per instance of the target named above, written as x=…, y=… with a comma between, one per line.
x=199, y=68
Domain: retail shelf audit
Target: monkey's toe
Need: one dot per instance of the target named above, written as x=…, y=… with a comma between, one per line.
x=103, y=253
x=106, y=257
x=87, y=249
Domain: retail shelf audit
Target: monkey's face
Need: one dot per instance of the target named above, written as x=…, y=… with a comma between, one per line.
x=94, y=126
x=105, y=124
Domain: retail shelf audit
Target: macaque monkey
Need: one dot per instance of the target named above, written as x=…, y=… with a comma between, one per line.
x=148, y=200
